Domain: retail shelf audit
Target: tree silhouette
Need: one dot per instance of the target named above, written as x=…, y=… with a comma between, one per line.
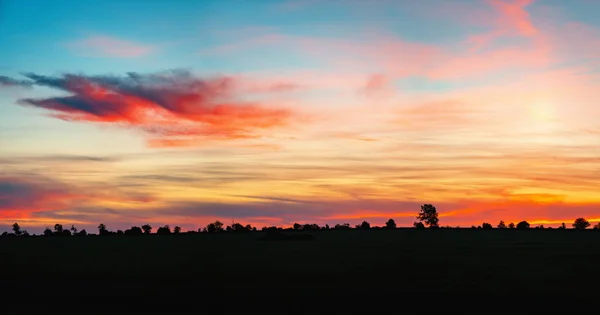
x=486, y=226
x=58, y=228
x=236, y=227
x=297, y=227
x=364, y=225
x=310, y=227
x=429, y=215
x=501, y=225
x=163, y=230
x=343, y=226
x=73, y=229
x=147, y=228
x=390, y=224
x=17, y=229
x=47, y=232
x=597, y=226
x=581, y=224
x=523, y=225
x=176, y=230
x=102, y=229
x=419, y=225
x=214, y=227
x=511, y=225
x=134, y=230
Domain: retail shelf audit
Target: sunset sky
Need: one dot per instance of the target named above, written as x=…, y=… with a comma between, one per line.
x=275, y=112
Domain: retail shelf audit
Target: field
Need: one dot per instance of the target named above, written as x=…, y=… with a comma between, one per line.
x=462, y=267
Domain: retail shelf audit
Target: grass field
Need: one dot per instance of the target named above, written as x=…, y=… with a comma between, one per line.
x=465, y=265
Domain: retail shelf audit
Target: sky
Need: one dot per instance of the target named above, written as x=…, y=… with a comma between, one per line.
x=275, y=112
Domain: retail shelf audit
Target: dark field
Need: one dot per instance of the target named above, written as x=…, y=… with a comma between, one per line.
x=544, y=269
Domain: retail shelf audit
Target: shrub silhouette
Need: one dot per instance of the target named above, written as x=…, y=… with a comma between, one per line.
x=523, y=225
x=134, y=230
x=419, y=225
x=163, y=230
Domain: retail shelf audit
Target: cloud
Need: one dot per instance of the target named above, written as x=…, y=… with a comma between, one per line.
x=21, y=196
x=375, y=85
x=173, y=108
x=513, y=16
x=9, y=82
x=272, y=198
x=55, y=158
x=104, y=46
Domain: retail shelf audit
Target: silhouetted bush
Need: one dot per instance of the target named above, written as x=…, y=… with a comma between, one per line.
x=163, y=230
x=134, y=231
x=390, y=224
x=523, y=225
x=419, y=225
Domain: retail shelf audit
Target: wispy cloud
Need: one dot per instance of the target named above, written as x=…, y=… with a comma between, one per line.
x=110, y=47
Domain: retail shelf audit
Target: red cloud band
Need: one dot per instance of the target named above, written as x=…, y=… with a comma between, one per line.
x=175, y=106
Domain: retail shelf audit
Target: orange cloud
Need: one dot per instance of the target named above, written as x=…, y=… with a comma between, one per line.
x=173, y=108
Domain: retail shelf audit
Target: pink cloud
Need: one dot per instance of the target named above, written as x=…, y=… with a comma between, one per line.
x=104, y=46
x=513, y=16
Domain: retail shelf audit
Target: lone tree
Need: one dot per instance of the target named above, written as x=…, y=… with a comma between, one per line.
x=17, y=229
x=502, y=225
x=429, y=216
x=581, y=224
x=511, y=225
x=486, y=226
x=390, y=224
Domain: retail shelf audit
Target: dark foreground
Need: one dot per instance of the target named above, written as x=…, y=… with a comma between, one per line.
x=405, y=269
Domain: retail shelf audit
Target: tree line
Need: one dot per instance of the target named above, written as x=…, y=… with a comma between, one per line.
x=428, y=217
